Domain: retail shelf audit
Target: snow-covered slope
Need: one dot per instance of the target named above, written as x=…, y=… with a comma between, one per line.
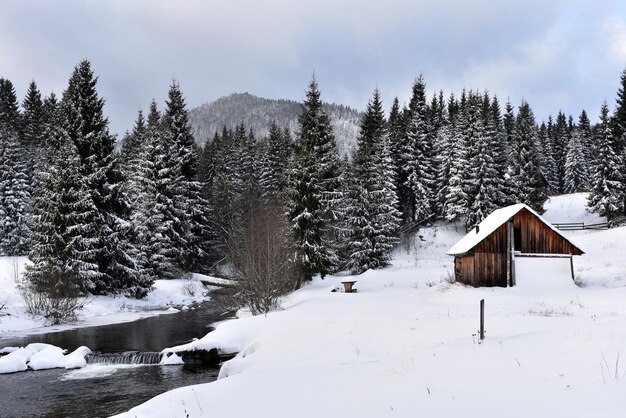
x=405, y=345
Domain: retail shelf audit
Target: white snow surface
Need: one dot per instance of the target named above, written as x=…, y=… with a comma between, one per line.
x=405, y=345
x=490, y=224
x=99, y=310
x=39, y=356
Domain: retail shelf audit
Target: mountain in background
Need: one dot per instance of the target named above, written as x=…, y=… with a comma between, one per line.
x=258, y=113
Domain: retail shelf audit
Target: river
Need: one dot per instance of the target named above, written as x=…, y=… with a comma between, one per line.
x=103, y=390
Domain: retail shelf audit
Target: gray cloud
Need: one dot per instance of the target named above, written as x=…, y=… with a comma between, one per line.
x=558, y=55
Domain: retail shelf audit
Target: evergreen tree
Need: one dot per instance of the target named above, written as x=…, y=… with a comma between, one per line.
x=586, y=139
x=508, y=123
x=560, y=140
x=277, y=156
x=396, y=134
x=526, y=175
x=455, y=198
x=14, y=196
x=576, y=176
x=152, y=217
x=483, y=174
x=372, y=217
x=546, y=154
x=10, y=117
x=420, y=168
x=315, y=190
x=191, y=232
x=83, y=122
x=64, y=253
x=33, y=140
x=607, y=183
x=500, y=150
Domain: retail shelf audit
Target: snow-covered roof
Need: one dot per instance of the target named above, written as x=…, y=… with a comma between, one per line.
x=490, y=224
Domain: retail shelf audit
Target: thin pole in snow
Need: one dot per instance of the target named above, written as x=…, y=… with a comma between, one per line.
x=482, y=319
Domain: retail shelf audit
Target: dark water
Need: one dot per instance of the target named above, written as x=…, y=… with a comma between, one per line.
x=104, y=390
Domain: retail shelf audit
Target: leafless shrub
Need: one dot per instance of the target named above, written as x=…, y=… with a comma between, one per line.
x=55, y=303
x=260, y=254
x=449, y=277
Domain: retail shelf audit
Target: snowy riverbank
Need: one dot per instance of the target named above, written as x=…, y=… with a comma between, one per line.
x=405, y=344
x=100, y=310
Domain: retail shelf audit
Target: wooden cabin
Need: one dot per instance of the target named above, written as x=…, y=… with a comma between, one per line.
x=488, y=254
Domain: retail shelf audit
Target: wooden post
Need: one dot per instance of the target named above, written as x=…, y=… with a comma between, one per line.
x=512, y=252
x=509, y=253
x=482, y=319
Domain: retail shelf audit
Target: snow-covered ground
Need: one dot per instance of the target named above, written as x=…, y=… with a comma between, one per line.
x=99, y=310
x=405, y=345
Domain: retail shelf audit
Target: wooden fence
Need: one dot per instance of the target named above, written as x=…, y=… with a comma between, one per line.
x=580, y=226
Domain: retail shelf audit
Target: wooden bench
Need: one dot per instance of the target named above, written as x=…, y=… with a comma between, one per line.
x=347, y=286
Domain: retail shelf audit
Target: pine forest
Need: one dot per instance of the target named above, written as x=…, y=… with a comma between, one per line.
x=100, y=216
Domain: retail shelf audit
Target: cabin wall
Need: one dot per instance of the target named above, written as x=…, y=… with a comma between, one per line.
x=538, y=238
x=489, y=260
x=464, y=270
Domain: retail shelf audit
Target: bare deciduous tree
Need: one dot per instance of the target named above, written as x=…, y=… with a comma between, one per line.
x=261, y=257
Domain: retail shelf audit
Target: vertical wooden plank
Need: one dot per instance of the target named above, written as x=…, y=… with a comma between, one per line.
x=509, y=254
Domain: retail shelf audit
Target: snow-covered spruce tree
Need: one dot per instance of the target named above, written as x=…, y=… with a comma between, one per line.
x=33, y=140
x=83, y=122
x=508, y=124
x=10, y=116
x=500, y=150
x=576, y=176
x=560, y=139
x=607, y=186
x=14, y=196
x=483, y=172
x=64, y=252
x=247, y=167
x=225, y=188
x=618, y=126
x=314, y=196
x=396, y=129
x=130, y=150
x=455, y=199
x=192, y=235
x=277, y=157
x=526, y=175
x=446, y=148
x=154, y=250
x=618, y=121
x=473, y=131
x=14, y=180
x=546, y=154
x=421, y=170
x=372, y=217
x=50, y=114
x=586, y=138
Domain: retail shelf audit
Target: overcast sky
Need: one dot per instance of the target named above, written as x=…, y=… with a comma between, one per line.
x=564, y=55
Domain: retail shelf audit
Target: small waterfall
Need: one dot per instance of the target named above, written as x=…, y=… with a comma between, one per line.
x=133, y=357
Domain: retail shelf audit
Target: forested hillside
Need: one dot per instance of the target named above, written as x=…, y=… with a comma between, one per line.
x=258, y=113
